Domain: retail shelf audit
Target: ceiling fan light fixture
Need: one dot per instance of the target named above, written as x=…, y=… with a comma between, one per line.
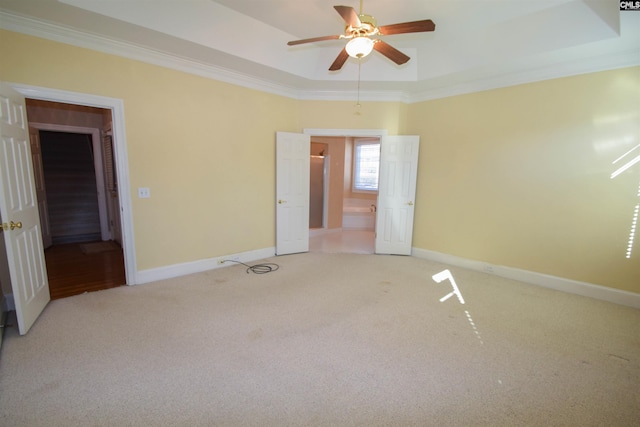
x=359, y=47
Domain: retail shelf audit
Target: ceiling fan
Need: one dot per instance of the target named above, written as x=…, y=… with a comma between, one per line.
x=359, y=30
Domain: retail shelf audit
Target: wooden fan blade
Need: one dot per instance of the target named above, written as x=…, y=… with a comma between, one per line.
x=314, y=39
x=408, y=27
x=340, y=60
x=349, y=15
x=390, y=52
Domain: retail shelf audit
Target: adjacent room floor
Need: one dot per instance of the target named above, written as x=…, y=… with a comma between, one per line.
x=76, y=268
x=342, y=241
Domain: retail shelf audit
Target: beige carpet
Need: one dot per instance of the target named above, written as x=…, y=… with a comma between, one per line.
x=327, y=340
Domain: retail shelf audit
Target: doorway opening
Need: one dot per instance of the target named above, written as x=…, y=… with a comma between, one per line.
x=77, y=196
x=398, y=167
x=342, y=214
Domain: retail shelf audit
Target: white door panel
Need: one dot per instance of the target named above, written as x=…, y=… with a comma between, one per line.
x=41, y=193
x=292, y=192
x=22, y=235
x=396, y=194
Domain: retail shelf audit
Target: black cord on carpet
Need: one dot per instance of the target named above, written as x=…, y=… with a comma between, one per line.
x=263, y=268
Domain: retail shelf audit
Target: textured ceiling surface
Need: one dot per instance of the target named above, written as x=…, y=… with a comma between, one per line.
x=477, y=44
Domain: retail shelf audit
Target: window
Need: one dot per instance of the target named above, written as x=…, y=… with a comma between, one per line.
x=366, y=164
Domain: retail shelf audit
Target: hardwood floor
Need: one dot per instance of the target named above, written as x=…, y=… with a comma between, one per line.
x=73, y=272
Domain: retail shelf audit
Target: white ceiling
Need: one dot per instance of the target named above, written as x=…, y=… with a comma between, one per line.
x=477, y=44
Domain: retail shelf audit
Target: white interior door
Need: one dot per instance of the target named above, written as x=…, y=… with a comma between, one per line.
x=396, y=194
x=41, y=193
x=22, y=235
x=292, y=192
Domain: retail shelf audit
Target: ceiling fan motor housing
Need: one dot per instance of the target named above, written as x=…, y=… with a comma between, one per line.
x=368, y=27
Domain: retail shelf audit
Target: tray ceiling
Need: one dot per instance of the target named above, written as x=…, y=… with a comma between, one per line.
x=477, y=44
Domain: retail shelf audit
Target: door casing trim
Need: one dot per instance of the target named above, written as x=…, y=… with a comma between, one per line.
x=120, y=150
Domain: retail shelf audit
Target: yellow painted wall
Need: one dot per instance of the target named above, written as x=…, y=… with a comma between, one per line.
x=517, y=176
x=520, y=177
x=345, y=115
x=206, y=149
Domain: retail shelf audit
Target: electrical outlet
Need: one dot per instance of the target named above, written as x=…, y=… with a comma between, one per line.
x=144, y=193
x=223, y=260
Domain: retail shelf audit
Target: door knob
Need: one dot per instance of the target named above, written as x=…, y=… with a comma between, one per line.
x=4, y=226
x=280, y=201
x=410, y=203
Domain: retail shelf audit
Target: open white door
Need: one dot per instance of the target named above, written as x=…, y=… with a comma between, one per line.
x=21, y=232
x=41, y=192
x=292, y=192
x=396, y=194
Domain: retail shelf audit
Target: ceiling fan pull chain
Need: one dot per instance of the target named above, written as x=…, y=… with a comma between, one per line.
x=359, y=63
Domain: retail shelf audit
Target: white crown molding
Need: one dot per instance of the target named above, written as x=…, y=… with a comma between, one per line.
x=72, y=37
x=20, y=24
x=630, y=58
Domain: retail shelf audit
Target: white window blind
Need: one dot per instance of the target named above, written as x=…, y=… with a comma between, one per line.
x=109, y=166
x=366, y=164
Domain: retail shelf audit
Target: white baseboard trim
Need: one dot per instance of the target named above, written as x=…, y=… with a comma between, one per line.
x=177, y=270
x=590, y=290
